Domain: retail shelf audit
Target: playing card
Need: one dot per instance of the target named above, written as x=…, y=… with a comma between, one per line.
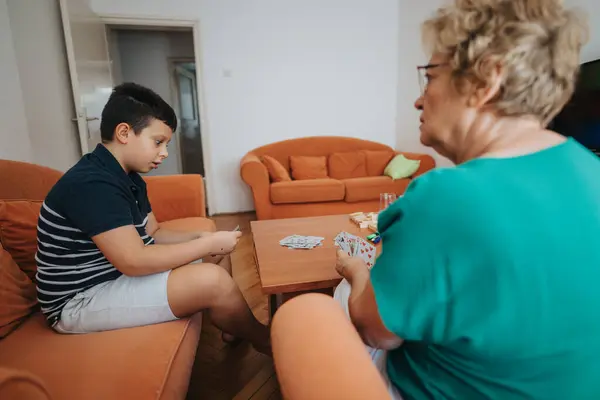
x=342, y=240
x=352, y=245
x=366, y=251
x=356, y=247
x=354, y=242
x=347, y=242
x=339, y=238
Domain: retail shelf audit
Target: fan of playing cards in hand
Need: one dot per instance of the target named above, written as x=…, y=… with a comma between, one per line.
x=356, y=246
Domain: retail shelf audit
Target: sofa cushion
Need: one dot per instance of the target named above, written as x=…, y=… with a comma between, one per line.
x=17, y=294
x=377, y=160
x=15, y=384
x=133, y=363
x=18, y=232
x=352, y=164
x=365, y=189
x=401, y=167
x=277, y=172
x=308, y=167
x=197, y=224
x=307, y=191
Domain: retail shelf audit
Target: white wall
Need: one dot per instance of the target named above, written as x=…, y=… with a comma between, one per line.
x=592, y=50
x=275, y=69
x=144, y=59
x=411, y=54
x=14, y=140
x=44, y=82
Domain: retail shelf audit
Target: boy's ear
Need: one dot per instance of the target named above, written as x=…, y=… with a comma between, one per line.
x=122, y=133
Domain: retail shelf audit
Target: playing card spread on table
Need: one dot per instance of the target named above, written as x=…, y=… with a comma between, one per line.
x=301, y=242
x=356, y=246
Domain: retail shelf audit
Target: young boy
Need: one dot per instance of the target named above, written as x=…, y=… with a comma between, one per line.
x=103, y=261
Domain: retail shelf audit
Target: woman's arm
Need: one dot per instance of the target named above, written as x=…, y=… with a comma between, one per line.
x=365, y=316
x=362, y=305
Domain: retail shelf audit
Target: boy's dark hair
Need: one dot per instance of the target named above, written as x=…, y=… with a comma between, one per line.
x=137, y=106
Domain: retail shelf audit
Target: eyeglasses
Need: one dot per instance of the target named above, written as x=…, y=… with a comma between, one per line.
x=422, y=71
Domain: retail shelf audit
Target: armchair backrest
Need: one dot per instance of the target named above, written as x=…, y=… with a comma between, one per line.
x=21, y=180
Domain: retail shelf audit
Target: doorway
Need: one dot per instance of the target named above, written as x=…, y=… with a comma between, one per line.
x=163, y=59
x=96, y=65
x=182, y=72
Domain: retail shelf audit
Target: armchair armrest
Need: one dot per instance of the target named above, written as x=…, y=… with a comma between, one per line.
x=255, y=174
x=427, y=162
x=319, y=355
x=176, y=196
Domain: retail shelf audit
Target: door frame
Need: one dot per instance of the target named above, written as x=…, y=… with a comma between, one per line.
x=194, y=24
x=172, y=62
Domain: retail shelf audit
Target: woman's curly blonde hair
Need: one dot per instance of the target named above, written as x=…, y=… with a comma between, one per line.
x=537, y=43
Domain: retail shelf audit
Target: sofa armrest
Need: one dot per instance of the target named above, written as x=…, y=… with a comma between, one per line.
x=427, y=162
x=319, y=355
x=16, y=384
x=255, y=174
x=176, y=196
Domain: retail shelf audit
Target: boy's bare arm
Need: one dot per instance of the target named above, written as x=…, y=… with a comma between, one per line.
x=124, y=249
x=166, y=236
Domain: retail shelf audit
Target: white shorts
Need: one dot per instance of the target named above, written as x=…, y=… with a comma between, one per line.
x=379, y=357
x=125, y=302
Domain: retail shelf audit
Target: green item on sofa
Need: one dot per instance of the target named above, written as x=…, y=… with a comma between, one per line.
x=401, y=167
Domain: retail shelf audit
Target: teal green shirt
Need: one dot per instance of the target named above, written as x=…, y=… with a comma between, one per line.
x=490, y=272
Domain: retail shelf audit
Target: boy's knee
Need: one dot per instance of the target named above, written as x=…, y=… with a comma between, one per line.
x=194, y=287
x=210, y=278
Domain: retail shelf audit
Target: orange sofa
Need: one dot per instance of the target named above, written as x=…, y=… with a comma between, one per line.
x=150, y=362
x=311, y=197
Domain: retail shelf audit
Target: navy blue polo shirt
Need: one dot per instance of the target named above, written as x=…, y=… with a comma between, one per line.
x=94, y=196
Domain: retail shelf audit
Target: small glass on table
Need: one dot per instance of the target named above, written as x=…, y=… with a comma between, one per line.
x=385, y=200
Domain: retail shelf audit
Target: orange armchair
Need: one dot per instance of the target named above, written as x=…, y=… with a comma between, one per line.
x=153, y=361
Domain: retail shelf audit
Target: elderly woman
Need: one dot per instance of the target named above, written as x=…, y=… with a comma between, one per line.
x=488, y=285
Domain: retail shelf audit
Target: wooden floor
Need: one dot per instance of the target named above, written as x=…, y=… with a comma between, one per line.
x=222, y=372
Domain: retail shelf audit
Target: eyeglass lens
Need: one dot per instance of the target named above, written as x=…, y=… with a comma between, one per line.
x=422, y=79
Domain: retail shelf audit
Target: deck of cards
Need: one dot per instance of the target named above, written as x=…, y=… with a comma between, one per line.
x=301, y=242
x=356, y=246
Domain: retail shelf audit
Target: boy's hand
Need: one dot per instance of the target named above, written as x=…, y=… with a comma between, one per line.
x=223, y=242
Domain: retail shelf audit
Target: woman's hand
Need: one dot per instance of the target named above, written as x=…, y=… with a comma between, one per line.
x=350, y=267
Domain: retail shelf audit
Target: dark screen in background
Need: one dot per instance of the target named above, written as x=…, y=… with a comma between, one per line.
x=580, y=118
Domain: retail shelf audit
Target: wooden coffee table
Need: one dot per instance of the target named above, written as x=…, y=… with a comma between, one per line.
x=285, y=273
